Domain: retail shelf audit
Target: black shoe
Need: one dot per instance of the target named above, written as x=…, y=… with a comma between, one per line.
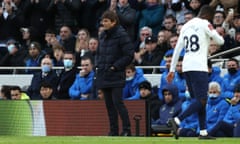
x=174, y=126
x=207, y=137
x=126, y=133
x=112, y=134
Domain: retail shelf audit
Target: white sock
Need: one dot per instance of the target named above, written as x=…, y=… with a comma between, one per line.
x=203, y=132
x=176, y=119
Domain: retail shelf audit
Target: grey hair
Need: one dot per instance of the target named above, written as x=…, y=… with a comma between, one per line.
x=214, y=85
x=146, y=28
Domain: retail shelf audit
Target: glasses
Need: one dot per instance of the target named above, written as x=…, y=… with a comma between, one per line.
x=218, y=17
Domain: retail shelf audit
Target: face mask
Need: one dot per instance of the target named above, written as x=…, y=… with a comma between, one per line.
x=213, y=95
x=10, y=48
x=129, y=78
x=67, y=63
x=232, y=71
x=187, y=94
x=46, y=68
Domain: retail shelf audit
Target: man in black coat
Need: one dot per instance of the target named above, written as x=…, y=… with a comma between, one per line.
x=115, y=52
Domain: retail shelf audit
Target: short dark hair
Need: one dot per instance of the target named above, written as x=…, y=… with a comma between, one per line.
x=206, y=12
x=235, y=60
x=110, y=15
x=131, y=67
x=15, y=88
x=46, y=85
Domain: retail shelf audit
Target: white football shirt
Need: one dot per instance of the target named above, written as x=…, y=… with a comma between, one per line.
x=195, y=37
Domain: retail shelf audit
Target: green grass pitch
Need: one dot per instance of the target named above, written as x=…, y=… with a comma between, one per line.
x=110, y=140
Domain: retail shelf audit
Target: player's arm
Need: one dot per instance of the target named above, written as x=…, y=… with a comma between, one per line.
x=214, y=34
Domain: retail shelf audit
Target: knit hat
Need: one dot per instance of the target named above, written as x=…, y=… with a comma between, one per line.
x=145, y=85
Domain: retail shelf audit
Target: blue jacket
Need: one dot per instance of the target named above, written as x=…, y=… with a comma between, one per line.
x=163, y=83
x=191, y=121
x=233, y=114
x=215, y=75
x=180, y=82
x=216, y=109
x=228, y=84
x=81, y=85
x=171, y=109
x=131, y=91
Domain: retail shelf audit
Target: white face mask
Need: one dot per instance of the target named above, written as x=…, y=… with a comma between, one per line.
x=213, y=95
x=187, y=95
x=10, y=48
x=129, y=78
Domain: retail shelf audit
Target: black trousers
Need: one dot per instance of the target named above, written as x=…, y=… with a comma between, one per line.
x=115, y=106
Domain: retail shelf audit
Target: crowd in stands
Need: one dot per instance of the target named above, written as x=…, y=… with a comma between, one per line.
x=64, y=33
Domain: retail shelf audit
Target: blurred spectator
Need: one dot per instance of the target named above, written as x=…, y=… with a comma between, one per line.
x=140, y=42
x=46, y=75
x=50, y=41
x=27, y=37
x=216, y=107
x=170, y=23
x=150, y=56
x=14, y=57
x=214, y=73
x=189, y=126
x=226, y=4
x=231, y=78
x=10, y=21
x=58, y=52
x=5, y=92
x=147, y=93
x=188, y=16
x=227, y=126
x=89, y=15
x=38, y=17
x=126, y=15
x=214, y=48
x=67, y=38
x=163, y=41
x=179, y=80
x=82, y=86
x=81, y=47
x=17, y=94
x=35, y=56
x=92, y=48
x=195, y=5
x=151, y=16
x=65, y=13
x=100, y=94
x=163, y=80
x=171, y=106
x=134, y=76
x=218, y=18
x=46, y=91
x=67, y=77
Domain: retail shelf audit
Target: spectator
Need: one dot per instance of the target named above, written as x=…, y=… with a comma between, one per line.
x=170, y=23
x=188, y=16
x=219, y=17
x=140, y=42
x=67, y=38
x=231, y=78
x=226, y=127
x=58, y=52
x=126, y=15
x=46, y=91
x=50, y=41
x=150, y=56
x=214, y=48
x=81, y=47
x=17, y=94
x=151, y=16
x=67, y=76
x=15, y=57
x=147, y=93
x=92, y=48
x=214, y=73
x=64, y=13
x=171, y=106
x=35, y=57
x=45, y=75
x=100, y=94
x=5, y=92
x=189, y=126
x=216, y=107
x=162, y=42
x=82, y=86
x=134, y=76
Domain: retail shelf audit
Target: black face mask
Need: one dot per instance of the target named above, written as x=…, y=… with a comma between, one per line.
x=232, y=71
